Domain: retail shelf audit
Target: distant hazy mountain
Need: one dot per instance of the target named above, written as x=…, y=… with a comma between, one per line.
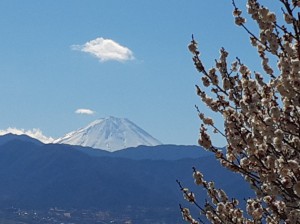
x=41, y=176
x=110, y=134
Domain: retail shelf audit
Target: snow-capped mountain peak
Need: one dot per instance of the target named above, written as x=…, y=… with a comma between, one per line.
x=110, y=134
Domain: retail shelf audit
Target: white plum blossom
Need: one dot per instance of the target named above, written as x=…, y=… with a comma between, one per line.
x=296, y=188
x=261, y=113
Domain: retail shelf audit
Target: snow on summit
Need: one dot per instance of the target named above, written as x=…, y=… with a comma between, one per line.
x=110, y=134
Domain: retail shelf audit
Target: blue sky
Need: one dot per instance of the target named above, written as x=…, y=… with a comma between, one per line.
x=46, y=76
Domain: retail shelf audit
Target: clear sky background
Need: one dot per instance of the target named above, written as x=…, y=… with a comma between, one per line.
x=45, y=75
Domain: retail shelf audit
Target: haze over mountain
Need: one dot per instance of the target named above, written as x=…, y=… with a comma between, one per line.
x=110, y=134
x=34, y=133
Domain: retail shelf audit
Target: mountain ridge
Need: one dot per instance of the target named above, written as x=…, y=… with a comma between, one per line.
x=158, y=152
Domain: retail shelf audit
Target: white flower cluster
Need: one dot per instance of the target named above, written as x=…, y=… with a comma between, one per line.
x=186, y=215
x=261, y=114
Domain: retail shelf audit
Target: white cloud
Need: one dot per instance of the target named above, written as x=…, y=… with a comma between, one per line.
x=85, y=111
x=105, y=50
x=34, y=133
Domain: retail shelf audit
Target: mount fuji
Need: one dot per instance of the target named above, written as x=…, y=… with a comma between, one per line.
x=110, y=134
